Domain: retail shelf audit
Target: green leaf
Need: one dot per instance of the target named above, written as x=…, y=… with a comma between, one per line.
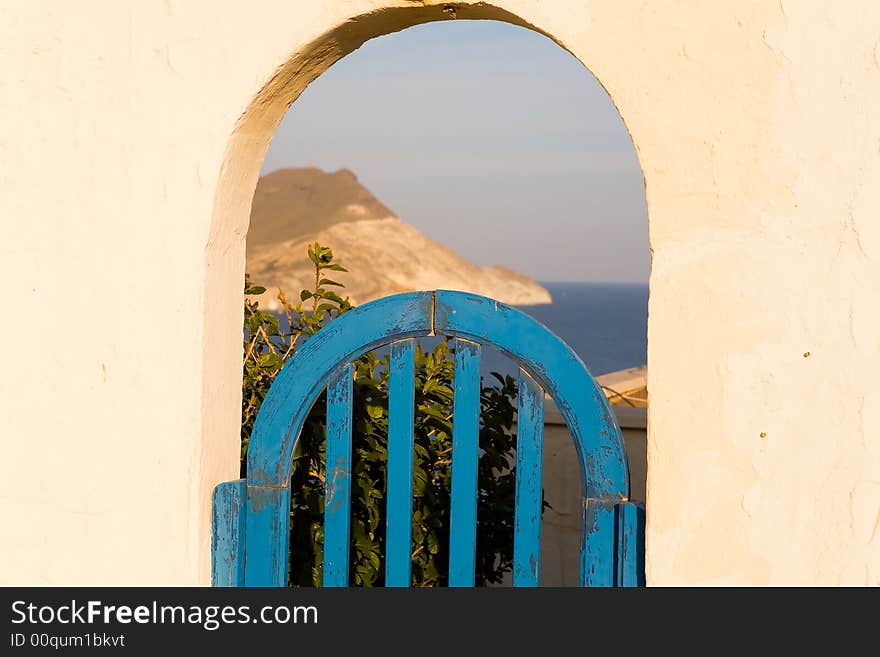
x=327, y=281
x=269, y=360
x=327, y=294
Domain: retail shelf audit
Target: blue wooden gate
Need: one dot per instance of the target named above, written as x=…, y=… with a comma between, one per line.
x=251, y=516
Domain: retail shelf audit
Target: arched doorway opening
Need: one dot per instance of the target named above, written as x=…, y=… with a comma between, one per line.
x=258, y=123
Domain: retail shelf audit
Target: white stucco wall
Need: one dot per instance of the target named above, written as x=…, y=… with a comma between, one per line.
x=130, y=143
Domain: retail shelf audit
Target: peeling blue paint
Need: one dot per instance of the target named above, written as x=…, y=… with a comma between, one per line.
x=465, y=455
x=401, y=417
x=529, y=494
x=337, y=496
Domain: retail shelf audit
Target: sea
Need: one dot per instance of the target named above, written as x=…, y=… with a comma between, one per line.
x=604, y=323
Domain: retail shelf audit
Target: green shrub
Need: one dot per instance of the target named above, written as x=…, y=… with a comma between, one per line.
x=267, y=347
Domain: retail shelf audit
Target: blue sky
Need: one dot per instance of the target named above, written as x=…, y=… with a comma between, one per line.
x=487, y=137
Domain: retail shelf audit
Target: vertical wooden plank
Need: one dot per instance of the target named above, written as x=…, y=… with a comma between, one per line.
x=529, y=457
x=598, y=543
x=268, y=525
x=227, y=533
x=401, y=416
x=337, y=491
x=465, y=445
x=630, y=545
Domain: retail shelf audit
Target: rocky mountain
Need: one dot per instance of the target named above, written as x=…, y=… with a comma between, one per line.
x=293, y=208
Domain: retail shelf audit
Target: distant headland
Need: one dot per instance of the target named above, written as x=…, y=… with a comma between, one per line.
x=295, y=207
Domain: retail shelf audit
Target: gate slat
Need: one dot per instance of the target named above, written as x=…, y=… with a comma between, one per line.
x=401, y=416
x=227, y=533
x=599, y=542
x=268, y=516
x=337, y=501
x=529, y=499
x=630, y=545
x=465, y=444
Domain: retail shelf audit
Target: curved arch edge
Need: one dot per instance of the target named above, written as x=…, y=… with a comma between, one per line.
x=304, y=376
x=560, y=372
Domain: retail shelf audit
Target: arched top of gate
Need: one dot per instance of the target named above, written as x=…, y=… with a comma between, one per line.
x=550, y=361
x=560, y=372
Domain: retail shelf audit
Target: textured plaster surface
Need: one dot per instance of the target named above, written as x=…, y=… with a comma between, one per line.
x=130, y=145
